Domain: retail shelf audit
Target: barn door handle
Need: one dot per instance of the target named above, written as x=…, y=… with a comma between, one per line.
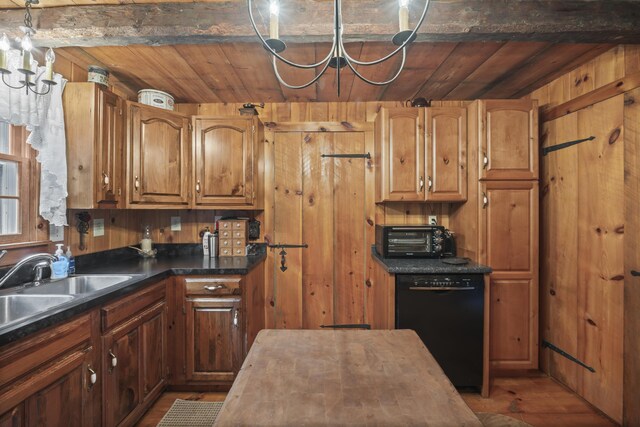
x=485, y=200
x=635, y=273
x=283, y=253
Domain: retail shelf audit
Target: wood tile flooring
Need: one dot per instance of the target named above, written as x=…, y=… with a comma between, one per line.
x=537, y=400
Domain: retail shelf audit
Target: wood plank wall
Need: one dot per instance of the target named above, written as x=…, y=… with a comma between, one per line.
x=582, y=232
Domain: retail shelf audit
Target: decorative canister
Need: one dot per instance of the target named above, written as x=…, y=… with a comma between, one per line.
x=157, y=98
x=98, y=75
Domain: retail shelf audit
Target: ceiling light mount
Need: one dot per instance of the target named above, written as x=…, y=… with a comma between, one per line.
x=337, y=58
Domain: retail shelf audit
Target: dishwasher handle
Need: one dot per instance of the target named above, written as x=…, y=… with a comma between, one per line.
x=441, y=288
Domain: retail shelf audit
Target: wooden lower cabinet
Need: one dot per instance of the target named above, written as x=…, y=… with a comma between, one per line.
x=214, y=339
x=46, y=379
x=134, y=361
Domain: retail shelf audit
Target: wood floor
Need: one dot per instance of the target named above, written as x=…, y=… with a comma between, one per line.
x=538, y=400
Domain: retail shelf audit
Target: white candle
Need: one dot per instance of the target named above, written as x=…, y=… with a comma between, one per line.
x=26, y=52
x=274, y=11
x=50, y=57
x=145, y=245
x=5, y=45
x=403, y=15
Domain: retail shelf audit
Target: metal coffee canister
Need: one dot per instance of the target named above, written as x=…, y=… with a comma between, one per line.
x=213, y=245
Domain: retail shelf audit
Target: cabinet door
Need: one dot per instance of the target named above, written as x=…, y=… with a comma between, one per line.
x=66, y=400
x=509, y=139
x=109, y=149
x=154, y=351
x=213, y=339
x=224, y=166
x=160, y=157
x=508, y=243
x=446, y=154
x=120, y=357
x=400, y=144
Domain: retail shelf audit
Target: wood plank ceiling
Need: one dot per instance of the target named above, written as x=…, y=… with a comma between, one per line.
x=242, y=72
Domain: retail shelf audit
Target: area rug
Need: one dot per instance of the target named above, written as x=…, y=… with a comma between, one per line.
x=191, y=413
x=499, y=420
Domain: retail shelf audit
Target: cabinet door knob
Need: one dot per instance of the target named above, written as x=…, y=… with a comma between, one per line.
x=429, y=183
x=485, y=161
x=136, y=183
x=421, y=183
x=114, y=359
x=235, y=318
x=215, y=288
x=485, y=200
x=105, y=179
x=198, y=187
x=93, y=377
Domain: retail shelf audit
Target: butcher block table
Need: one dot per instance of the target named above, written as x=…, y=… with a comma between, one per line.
x=342, y=378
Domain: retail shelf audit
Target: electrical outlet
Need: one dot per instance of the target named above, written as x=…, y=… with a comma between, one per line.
x=433, y=219
x=175, y=223
x=98, y=227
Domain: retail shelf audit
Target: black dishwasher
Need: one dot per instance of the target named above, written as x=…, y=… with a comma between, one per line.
x=447, y=312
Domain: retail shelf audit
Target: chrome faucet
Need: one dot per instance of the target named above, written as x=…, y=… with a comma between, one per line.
x=38, y=268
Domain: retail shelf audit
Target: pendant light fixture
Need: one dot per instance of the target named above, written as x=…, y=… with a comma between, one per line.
x=26, y=46
x=337, y=57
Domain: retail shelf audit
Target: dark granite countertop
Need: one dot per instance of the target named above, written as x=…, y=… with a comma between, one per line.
x=144, y=271
x=427, y=266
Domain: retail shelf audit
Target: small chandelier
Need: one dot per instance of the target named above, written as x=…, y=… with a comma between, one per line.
x=337, y=57
x=26, y=47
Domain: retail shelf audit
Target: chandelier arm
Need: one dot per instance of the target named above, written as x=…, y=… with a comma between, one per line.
x=371, y=82
x=12, y=87
x=315, y=79
x=280, y=57
x=402, y=46
x=40, y=93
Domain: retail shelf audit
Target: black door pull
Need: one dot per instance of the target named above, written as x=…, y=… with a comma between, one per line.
x=635, y=273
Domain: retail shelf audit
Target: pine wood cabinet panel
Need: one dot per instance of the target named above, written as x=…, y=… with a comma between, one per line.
x=508, y=223
x=508, y=139
x=94, y=129
x=400, y=154
x=225, y=160
x=134, y=354
x=446, y=154
x=159, y=151
x=213, y=339
x=122, y=382
x=46, y=378
x=513, y=320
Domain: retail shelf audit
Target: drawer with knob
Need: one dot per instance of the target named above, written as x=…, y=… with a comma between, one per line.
x=212, y=286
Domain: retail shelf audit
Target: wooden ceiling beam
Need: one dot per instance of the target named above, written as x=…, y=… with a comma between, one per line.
x=304, y=21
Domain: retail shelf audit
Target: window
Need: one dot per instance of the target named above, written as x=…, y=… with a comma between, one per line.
x=15, y=200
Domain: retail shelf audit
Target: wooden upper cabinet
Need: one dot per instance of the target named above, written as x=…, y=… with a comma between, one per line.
x=508, y=139
x=400, y=155
x=159, y=149
x=225, y=157
x=94, y=130
x=446, y=138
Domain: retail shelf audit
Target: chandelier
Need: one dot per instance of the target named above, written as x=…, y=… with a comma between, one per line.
x=26, y=57
x=337, y=57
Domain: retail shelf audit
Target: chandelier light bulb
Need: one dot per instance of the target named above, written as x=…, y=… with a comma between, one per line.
x=274, y=8
x=404, y=3
x=26, y=43
x=5, y=45
x=403, y=15
x=50, y=56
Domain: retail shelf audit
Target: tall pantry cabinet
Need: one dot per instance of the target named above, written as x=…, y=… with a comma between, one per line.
x=499, y=223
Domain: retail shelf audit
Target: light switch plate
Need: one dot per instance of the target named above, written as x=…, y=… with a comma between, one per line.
x=56, y=233
x=98, y=227
x=433, y=219
x=175, y=223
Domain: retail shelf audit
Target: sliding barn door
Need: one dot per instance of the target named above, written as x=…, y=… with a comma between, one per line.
x=321, y=202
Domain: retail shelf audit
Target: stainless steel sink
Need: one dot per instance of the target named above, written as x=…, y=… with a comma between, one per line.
x=78, y=284
x=16, y=307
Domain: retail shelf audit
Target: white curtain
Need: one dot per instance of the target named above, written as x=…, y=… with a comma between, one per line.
x=44, y=118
